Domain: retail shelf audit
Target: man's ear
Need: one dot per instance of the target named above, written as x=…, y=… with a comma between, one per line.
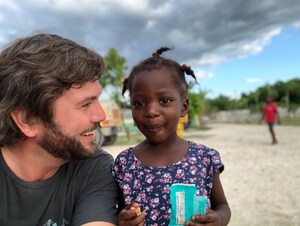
x=26, y=125
x=185, y=107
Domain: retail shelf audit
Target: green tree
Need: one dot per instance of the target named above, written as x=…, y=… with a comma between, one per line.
x=196, y=105
x=114, y=74
x=221, y=103
x=242, y=102
x=286, y=93
x=112, y=79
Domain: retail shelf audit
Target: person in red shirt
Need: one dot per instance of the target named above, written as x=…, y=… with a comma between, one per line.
x=271, y=115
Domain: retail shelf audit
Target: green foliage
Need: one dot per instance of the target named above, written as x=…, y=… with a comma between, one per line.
x=289, y=92
x=221, y=103
x=115, y=68
x=196, y=103
x=114, y=74
x=286, y=94
x=197, y=106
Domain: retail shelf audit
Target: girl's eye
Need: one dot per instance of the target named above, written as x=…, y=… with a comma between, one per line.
x=138, y=104
x=165, y=101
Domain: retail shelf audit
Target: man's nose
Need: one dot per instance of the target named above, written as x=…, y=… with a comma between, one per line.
x=99, y=114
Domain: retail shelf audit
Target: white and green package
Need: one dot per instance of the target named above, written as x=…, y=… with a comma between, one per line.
x=185, y=203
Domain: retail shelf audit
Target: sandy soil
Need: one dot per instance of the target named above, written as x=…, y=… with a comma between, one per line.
x=261, y=181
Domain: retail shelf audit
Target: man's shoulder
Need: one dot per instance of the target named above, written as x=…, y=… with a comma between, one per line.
x=101, y=160
x=100, y=155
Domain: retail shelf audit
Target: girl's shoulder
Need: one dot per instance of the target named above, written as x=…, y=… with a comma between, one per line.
x=126, y=154
x=204, y=154
x=201, y=149
x=127, y=151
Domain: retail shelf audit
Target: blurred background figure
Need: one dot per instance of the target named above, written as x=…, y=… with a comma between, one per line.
x=181, y=125
x=271, y=115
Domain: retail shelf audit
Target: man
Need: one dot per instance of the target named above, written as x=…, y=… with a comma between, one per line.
x=50, y=170
x=271, y=115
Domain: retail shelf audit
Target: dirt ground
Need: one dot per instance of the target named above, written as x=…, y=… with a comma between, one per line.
x=261, y=181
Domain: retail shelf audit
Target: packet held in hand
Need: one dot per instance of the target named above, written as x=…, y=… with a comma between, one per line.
x=200, y=204
x=185, y=203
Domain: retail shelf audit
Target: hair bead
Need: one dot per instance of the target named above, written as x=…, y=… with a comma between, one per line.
x=155, y=54
x=125, y=80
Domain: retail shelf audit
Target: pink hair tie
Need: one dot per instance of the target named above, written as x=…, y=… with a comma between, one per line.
x=184, y=66
x=155, y=54
x=125, y=80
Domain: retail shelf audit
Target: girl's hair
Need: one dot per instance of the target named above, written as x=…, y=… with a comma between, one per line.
x=157, y=62
x=35, y=71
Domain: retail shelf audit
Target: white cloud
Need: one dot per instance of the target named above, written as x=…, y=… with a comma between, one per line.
x=210, y=59
x=200, y=74
x=254, y=80
x=297, y=25
x=2, y=39
x=257, y=45
x=135, y=28
x=238, y=49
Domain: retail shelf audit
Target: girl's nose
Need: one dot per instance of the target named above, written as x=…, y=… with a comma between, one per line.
x=152, y=110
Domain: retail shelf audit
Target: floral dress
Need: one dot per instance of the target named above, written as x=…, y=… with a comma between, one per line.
x=150, y=186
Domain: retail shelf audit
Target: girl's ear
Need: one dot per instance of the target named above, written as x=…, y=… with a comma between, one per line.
x=185, y=107
x=26, y=125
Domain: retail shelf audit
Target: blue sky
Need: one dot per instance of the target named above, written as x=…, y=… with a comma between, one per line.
x=278, y=61
x=234, y=46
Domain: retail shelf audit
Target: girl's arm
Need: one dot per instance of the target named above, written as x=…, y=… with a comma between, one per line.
x=220, y=213
x=219, y=202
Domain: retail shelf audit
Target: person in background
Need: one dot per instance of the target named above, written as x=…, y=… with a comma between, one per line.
x=50, y=170
x=271, y=116
x=181, y=124
x=158, y=95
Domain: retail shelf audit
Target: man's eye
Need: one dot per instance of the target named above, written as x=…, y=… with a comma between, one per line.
x=165, y=101
x=86, y=105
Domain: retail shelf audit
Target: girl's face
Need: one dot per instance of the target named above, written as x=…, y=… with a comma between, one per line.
x=156, y=105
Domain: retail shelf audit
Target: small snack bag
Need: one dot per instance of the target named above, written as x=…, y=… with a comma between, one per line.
x=185, y=203
x=200, y=204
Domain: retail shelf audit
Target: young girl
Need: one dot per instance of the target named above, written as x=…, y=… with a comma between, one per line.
x=159, y=97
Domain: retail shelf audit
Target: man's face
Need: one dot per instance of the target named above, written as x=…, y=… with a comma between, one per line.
x=64, y=146
x=76, y=115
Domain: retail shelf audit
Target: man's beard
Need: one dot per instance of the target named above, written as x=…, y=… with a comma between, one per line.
x=64, y=147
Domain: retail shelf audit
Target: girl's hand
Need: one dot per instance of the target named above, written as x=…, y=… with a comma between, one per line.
x=211, y=218
x=131, y=215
